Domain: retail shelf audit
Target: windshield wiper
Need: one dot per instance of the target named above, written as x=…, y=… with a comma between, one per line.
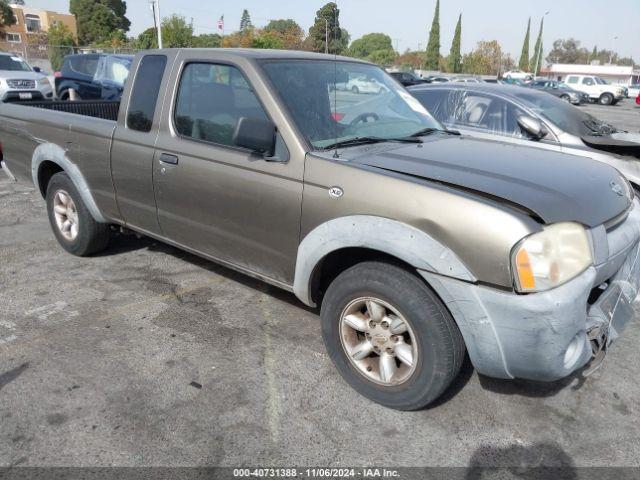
x=351, y=142
x=430, y=130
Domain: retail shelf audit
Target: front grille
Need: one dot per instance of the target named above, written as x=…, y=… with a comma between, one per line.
x=21, y=84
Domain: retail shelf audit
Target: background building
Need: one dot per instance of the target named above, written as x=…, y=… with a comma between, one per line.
x=612, y=73
x=34, y=21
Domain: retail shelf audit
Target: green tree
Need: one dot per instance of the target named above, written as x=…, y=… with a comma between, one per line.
x=6, y=14
x=147, y=39
x=245, y=21
x=536, y=59
x=568, y=51
x=268, y=39
x=433, y=46
x=374, y=47
x=486, y=59
x=289, y=31
x=454, y=54
x=328, y=17
x=176, y=32
x=98, y=19
x=206, y=40
x=61, y=43
x=594, y=54
x=523, y=64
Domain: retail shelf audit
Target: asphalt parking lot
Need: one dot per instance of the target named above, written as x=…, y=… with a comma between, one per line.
x=146, y=355
x=625, y=115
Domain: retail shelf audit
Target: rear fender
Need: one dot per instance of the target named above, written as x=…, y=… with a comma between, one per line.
x=50, y=152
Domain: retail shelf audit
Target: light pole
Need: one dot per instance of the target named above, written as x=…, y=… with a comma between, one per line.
x=535, y=71
x=155, y=8
x=326, y=36
x=612, y=50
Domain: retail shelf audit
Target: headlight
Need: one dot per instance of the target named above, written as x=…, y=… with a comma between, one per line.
x=551, y=257
x=43, y=81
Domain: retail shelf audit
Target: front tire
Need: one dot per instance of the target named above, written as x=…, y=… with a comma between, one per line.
x=355, y=89
x=73, y=225
x=389, y=335
x=606, y=99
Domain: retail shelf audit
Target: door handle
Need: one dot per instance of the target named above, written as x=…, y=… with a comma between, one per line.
x=169, y=159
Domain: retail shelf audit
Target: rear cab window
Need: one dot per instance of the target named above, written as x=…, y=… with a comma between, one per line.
x=572, y=79
x=144, y=94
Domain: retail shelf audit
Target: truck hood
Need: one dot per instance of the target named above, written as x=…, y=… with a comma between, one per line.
x=555, y=187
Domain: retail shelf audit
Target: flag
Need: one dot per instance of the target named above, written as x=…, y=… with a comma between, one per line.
x=221, y=23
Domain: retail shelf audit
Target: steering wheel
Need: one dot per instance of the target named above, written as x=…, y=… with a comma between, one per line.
x=363, y=117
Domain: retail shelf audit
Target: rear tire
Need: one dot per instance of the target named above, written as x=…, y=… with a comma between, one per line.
x=73, y=225
x=355, y=89
x=605, y=99
x=407, y=305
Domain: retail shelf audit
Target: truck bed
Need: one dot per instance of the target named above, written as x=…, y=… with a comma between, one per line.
x=105, y=109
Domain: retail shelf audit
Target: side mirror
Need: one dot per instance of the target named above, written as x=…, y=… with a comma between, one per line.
x=255, y=134
x=532, y=126
x=37, y=69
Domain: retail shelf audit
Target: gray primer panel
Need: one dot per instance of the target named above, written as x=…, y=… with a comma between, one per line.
x=519, y=336
x=53, y=153
x=392, y=237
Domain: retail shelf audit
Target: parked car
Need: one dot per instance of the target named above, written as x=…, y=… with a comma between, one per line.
x=364, y=84
x=467, y=80
x=517, y=75
x=525, y=116
x=560, y=90
x=19, y=81
x=407, y=78
x=93, y=76
x=638, y=99
x=438, y=79
x=596, y=88
x=417, y=244
x=633, y=90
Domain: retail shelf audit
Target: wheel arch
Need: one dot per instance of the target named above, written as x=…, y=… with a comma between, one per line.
x=338, y=244
x=49, y=159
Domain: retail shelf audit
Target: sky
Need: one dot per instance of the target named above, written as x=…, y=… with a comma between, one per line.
x=408, y=21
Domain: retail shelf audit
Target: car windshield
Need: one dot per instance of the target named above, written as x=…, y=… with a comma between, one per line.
x=13, y=64
x=335, y=102
x=567, y=117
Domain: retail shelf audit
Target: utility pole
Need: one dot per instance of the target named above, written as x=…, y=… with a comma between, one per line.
x=326, y=36
x=157, y=21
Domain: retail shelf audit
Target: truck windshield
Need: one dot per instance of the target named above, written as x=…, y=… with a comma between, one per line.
x=333, y=102
x=13, y=64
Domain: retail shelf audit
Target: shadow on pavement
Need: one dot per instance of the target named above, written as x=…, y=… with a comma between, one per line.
x=10, y=375
x=540, y=460
x=530, y=388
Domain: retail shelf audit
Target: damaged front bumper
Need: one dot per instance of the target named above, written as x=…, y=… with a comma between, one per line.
x=549, y=335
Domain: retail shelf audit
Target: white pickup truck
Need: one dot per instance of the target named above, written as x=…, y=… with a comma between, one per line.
x=599, y=90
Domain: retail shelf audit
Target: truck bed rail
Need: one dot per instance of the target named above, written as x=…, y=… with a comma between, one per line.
x=106, y=109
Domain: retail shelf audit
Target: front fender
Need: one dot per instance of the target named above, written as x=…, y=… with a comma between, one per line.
x=394, y=238
x=50, y=152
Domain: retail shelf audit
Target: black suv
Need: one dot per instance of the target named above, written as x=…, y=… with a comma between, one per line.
x=407, y=79
x=93, y=76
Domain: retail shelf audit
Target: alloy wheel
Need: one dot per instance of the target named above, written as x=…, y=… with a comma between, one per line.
x=378, y=341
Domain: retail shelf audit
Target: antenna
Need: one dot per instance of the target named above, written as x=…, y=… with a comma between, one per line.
x=335, y=81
